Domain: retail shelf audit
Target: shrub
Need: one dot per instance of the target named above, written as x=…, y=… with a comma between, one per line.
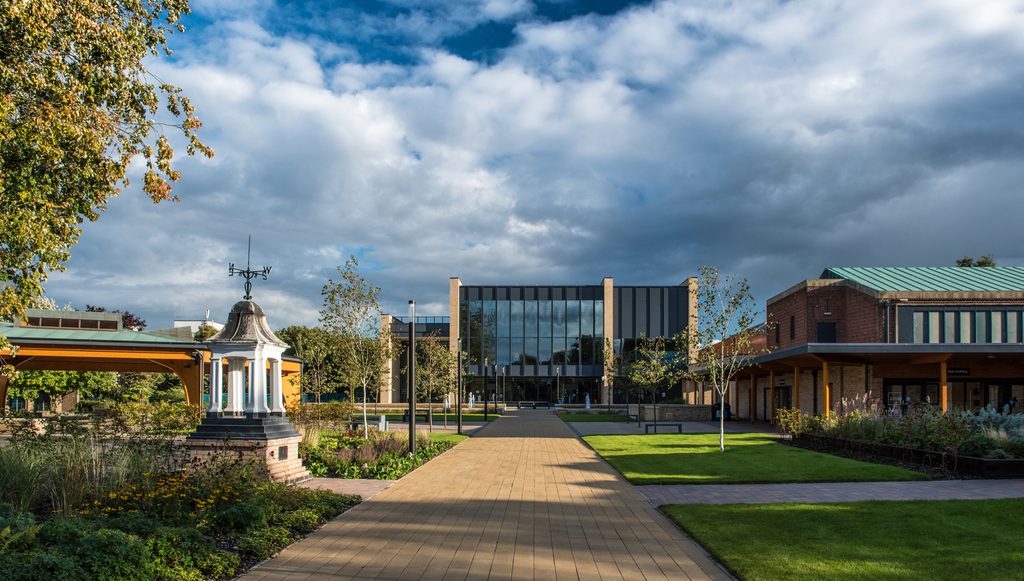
x=219, y=564
x=22, y=471
x=37, y=564
x=241, y=517
x=792, y=421
x=263, y=542
x=62, y=534
x=134, y=523
x=112, y=554
x=303, y=520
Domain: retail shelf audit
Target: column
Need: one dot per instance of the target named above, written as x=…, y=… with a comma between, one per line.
x=771, y=394
x=943, y=388
x=258, y=386
x=796, y=388
x=216, y=385
x=236, y=381
x=276, y=393
x=3, y=394
x=827, y=404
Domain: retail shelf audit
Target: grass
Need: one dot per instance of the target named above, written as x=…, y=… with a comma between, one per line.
x=453, y=438
x=949, y=539
x=695, y=459
x=594, y=417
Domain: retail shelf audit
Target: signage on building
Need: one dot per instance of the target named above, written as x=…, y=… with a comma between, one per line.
x=958, y=371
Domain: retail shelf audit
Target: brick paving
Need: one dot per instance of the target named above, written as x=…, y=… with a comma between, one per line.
x=524, y=499
x=364, y=488
x=831, y=491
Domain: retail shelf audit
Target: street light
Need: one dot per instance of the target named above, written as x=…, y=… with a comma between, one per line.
x=558, y=384
x=412, y=377
x=485, y=389
x=458, y=391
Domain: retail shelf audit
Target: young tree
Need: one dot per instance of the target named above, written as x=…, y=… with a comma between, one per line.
x=435, y=372
x=652, y=365
x=352, y=311
x=725, y=306
x=77, y=106
x=318, y=348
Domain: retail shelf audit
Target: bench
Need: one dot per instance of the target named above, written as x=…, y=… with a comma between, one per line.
x=420, y=416
x=678, y=425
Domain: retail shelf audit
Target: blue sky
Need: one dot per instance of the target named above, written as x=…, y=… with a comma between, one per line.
x=562, y=141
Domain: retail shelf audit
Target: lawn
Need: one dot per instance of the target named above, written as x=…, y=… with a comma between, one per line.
x=954, y=539
x=695, y=459
x=453, y=438
x=594, y=417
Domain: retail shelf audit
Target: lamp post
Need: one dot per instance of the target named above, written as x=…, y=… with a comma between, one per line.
x=558, y=384
x=485, y=389
x=458, y=391
x=412, y=377
x=504, y=394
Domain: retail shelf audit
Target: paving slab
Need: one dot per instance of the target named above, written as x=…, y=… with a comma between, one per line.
x=523, y=499
x=831, y=492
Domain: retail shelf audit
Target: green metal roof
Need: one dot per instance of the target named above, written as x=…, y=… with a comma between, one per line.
x=42, y=333
x=933, y=278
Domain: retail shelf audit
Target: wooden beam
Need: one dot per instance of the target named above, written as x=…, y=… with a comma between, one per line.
x=3, y=394
x=827, y=404
x=796, y=388
x=68, y=353
x=943, y=388
x=930, y=359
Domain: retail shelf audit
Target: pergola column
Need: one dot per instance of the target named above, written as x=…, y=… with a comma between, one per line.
x=796, y=388
x=827, y=404
x=3, y=394
x=943, y=388
x=216, y=385
x=276, y=393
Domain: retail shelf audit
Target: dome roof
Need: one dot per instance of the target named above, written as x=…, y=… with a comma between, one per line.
x=247, y=323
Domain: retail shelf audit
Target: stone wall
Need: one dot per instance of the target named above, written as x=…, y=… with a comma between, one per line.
x=678, y=413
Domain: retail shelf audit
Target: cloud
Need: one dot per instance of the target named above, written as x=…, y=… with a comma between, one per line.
x=772, y=139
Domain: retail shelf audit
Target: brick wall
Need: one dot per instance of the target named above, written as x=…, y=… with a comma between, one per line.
x=858, y=316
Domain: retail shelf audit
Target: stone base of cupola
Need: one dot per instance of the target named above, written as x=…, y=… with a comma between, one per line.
x=271, y=439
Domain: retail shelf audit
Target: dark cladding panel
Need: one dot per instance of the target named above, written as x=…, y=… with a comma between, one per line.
x=654, y=326
x=640, y=314
x=501, y=293
x=572, y=293
x=530, y=293
x=488, y=293
x=544, y=293
x=516, y=293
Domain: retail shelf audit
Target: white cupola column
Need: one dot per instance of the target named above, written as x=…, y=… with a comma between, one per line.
x=216, y=385
x=276, y=393
x=258, y=391
x=236, y=380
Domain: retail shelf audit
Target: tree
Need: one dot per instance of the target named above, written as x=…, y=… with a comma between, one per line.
x=318, y=348
x=985, y=260
x=129, y=320
x=352, y=311
x=77, y=106
x=204, y=332
x=725, y=306
x=655, y=364
x=436, y=367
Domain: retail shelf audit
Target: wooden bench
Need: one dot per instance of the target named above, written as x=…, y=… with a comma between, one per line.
x=678, y=425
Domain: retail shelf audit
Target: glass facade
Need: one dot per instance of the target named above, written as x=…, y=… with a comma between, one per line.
x=990, y=324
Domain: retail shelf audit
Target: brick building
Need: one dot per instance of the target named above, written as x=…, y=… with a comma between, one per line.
x=890, y=338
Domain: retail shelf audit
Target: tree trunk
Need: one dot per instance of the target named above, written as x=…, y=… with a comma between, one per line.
x=366, y=428
x=721, y=422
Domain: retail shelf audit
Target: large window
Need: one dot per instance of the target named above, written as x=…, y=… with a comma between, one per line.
x=960, y=325
x=533, y=332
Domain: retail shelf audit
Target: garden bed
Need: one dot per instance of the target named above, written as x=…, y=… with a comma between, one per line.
x=384, y=456
x=961, y=465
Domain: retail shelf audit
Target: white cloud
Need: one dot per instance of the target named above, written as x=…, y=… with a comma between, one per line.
x=772, y=139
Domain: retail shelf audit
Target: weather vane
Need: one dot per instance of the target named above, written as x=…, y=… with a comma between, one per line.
x=248, y=274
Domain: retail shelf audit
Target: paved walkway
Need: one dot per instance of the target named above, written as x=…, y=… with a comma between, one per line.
x=364, y=488
x=831, y=491
x=524, y=499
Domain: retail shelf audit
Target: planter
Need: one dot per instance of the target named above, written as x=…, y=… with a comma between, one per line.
x=964, y=465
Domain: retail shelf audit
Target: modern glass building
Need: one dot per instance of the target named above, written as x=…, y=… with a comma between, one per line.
x=547, y=343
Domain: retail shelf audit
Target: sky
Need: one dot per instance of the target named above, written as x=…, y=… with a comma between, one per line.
x=562, y=141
